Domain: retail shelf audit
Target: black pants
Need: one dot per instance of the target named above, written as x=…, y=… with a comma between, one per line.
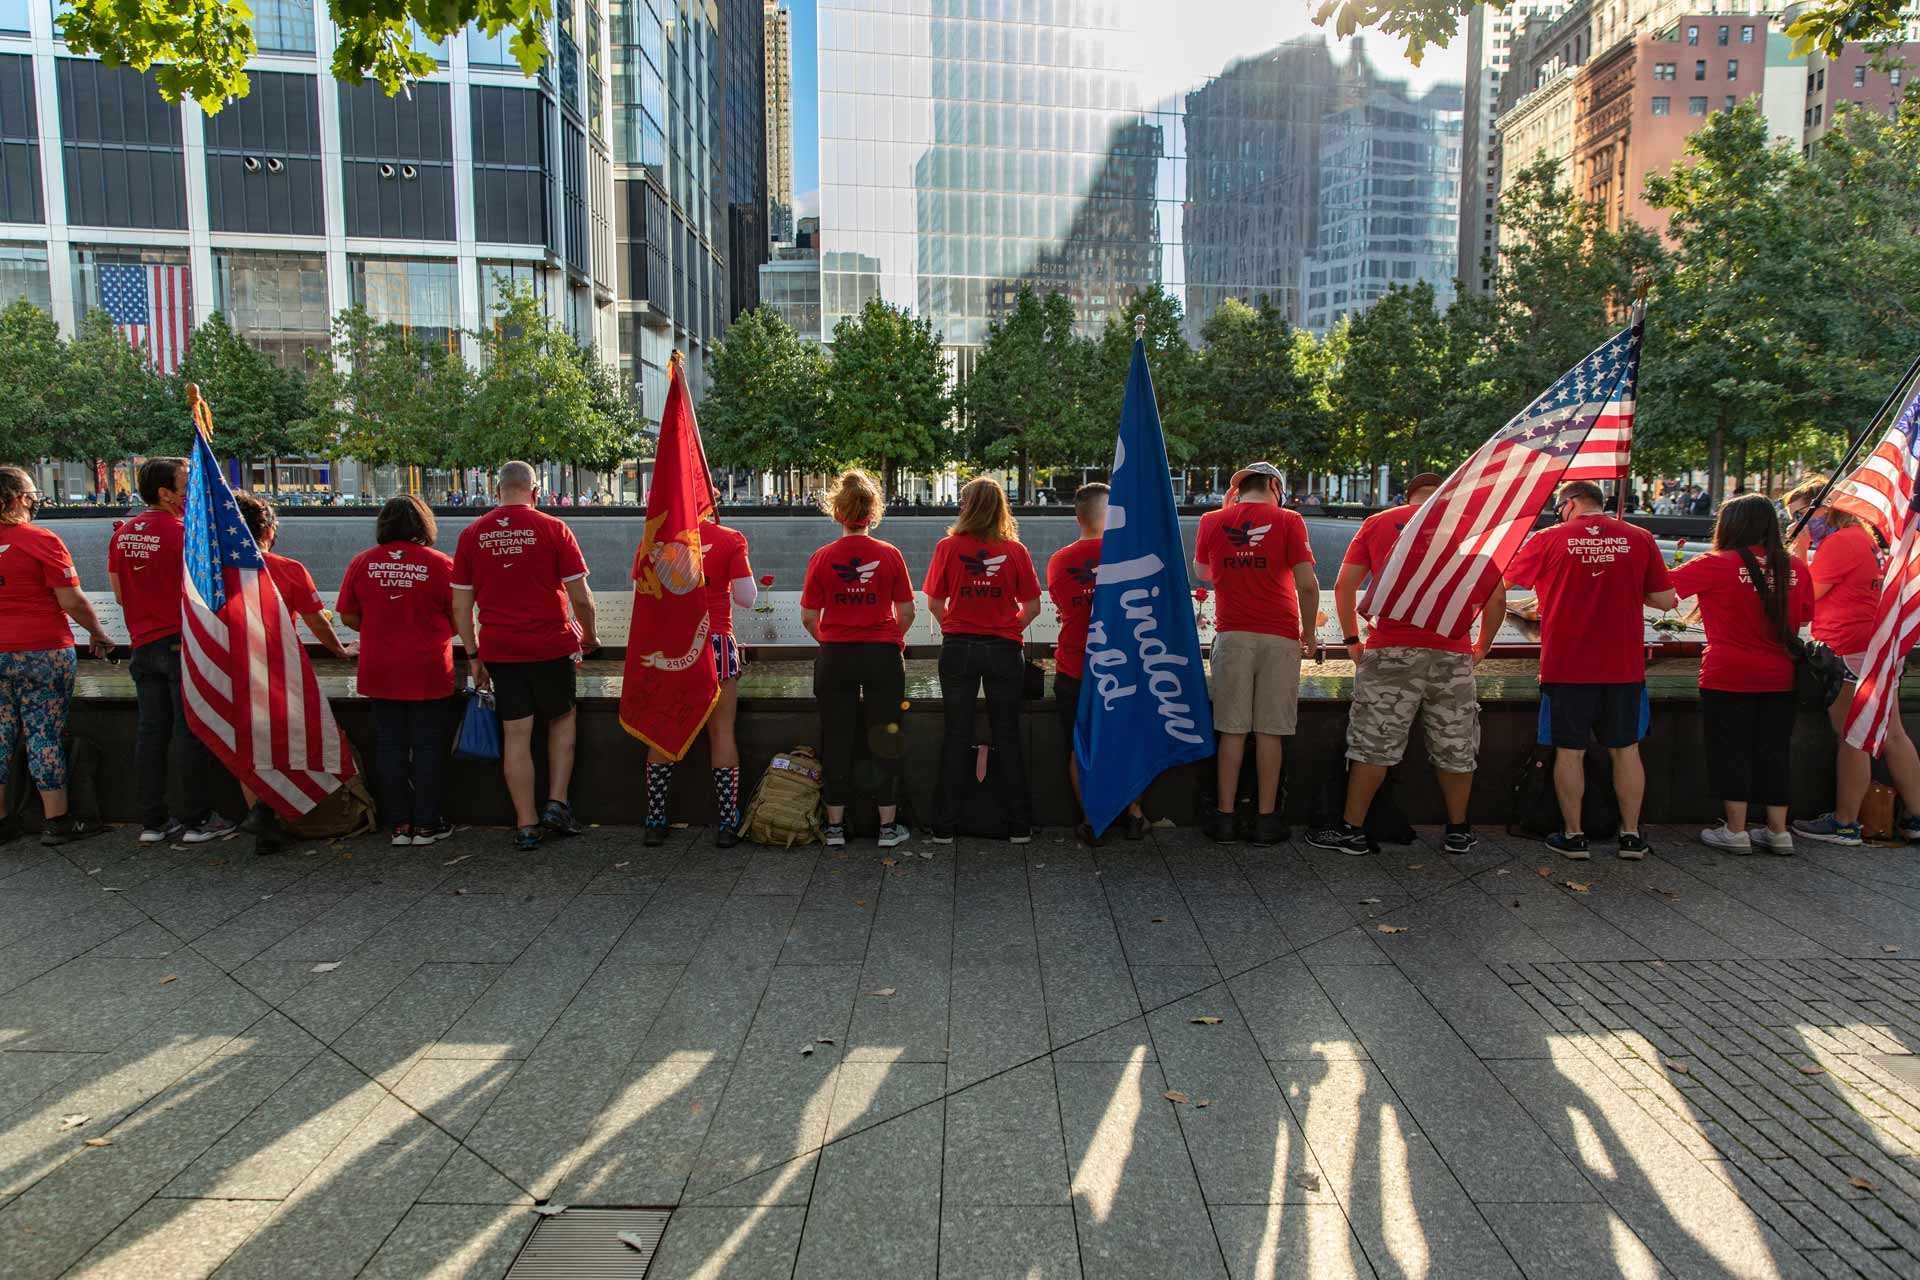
x=160, y=730
x=846, y=677
x=410, y=759
x=967, y=663
x=1749, y=744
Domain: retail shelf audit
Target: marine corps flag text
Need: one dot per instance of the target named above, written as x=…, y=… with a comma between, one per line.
x=671, y=685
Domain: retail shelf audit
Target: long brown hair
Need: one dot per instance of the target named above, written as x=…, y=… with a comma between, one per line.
x=1750, y=521
x=984, y=513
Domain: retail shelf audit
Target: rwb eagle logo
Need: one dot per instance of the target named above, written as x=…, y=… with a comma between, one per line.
x=1082, y=575
x=398, y=553
x=1593, y=530
x=983, y=565
x=1247, y=535
x=504, y=521
x=854, y=571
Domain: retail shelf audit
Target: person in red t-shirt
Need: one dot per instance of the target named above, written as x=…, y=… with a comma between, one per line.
x=522, y=571
x=39, y=591
x=982, y=591
x=1754, y=598
x=1593, y=576
x=729, y=575
x=1256, y=554
x=857, y=601
x=146, y=565
x=1399, y=671
x=1846, y=586
x=398, y=594
x=1071, y=575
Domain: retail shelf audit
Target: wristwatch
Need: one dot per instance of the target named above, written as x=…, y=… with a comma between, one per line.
x=1350, y=641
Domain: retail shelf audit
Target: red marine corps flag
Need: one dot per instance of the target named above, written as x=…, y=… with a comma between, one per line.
x=671, y=684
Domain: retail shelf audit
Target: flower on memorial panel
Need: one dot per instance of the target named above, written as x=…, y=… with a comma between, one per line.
x=1200, y=595
x=766, y=579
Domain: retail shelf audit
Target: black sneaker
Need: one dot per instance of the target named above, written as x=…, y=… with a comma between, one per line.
x=1634, y=846
x=1020, y=835
x=1569, y=845
x=558, y=818
x=261, y=820
x=268, y=845
x=725, y=837
x=1459, y=838
x=1340, y=837
x=893, y=833
x=526, y=839
x=434, y=834
x=1220, y=827
x=836, y=835
x=1083, y=832
x=1137, y=826
x=1270, y=829
x=942, y=835
x=652, y=835
x=66, y=829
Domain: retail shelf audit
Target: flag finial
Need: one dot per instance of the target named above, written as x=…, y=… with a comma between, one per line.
x=202, y=411
x=1139, y=327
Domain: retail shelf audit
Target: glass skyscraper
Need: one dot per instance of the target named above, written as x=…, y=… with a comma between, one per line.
x=971, y=146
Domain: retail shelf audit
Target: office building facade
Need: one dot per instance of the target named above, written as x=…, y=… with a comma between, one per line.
x=1491, y=36
x=308, y=195
x=777, y=71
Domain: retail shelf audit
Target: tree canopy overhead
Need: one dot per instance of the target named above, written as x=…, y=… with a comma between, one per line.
x=199, y=48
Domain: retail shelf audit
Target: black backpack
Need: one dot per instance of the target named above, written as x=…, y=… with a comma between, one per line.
x=1535, y=809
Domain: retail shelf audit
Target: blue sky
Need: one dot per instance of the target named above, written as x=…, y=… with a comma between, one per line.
x=1210, y=34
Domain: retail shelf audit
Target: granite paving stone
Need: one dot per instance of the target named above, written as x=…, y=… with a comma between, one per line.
x=1261, y=1241
x=173, y=1240
x=451, y=1242
x=1008, y=1242
x=1004, y=1144
x=641, y=1145
x=875, y=1208
x=269, y=1153
x=740, y=1243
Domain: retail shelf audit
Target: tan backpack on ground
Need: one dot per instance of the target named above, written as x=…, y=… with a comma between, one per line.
x=348, y=811
x=785, y=809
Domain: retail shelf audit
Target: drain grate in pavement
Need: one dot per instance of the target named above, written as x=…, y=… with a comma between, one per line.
x=585, y=1244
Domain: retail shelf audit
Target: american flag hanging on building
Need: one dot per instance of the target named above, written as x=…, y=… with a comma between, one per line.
x=1889, y=476
x=152, y=306
x=1456, y=546
x=249, y=690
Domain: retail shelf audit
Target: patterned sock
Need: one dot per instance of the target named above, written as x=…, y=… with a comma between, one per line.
x=659, y=777
x=726, y=795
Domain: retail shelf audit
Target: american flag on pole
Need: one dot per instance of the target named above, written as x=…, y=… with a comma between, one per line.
x=1880, y=489
x=1889, y=476
x=249, y=690
x=1608, y=449
x=152, y=306
x=1456, y=546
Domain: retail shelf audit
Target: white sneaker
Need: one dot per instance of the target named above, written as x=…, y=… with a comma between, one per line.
x=1720, y=837
x=894, y=833
x=1779, y=843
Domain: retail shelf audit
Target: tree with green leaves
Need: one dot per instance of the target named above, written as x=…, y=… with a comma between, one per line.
x=381, y=395
x=33, y=383
x=766, y=403
x=117, y=406
x=1828, y=25
x=1027, y=401
x=199, y=48
x=1256, y=378
x=532, y=400
x=256, y=404
x=1171, y=360
x=625, y=436
x=1397, y=370
x=888, y=401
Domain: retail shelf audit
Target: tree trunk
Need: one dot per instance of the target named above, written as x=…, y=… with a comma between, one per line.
x=1716, y=463
x=1739, y=464
x=1026, y=476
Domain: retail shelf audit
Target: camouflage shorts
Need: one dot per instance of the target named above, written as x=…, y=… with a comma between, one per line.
x=1391, y=685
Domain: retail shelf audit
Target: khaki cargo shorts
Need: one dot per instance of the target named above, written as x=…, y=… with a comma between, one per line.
x=1254, y=681
x=1391, y=685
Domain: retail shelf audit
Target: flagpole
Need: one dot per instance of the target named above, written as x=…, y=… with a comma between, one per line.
x=1873, y=427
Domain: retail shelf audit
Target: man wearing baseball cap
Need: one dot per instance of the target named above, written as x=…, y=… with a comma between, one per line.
x=1256, y=555
x=1400, y=670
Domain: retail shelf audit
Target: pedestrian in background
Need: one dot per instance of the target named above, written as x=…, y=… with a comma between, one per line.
x=982, y=591
x=398, y=594
x=39, y=591
x=857, y=602
x=1754, y=598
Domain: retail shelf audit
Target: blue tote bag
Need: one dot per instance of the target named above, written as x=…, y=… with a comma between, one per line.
x=479, y=729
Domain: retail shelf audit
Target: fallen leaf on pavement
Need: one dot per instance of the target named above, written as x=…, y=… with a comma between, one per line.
x=805, y=1050
x=172, y=977
x=889, y=862
x=454, y=862
x=107, y=1142
x=1500, y=871
x=1368, y=902
x=1204, y=1102
x=1415, y=866
x=1158, y=920
x=1206, y=1020
x=860, y=903
x=823, y=1040
x=677, y=826
x=1681, y=1067
x=1307, y=1181
x=635, y=1241
x=1578, y=886
x=882, y=991
x=1515, y=903
x=1174, y=1095
x=1813, y=1069
x=1391, y=928
x=459, y=893
x=1863, y=1184
x=110, y=889
x=927, y=854
x=96, y=871
x=1889, y=948
x=1545, y=873
x=549, y=1210
x=74, y=1121
x=618, y=865
x=329, y=967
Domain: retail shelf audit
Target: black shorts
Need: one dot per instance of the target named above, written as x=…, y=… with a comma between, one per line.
x=1066, y=704
x=522, y=689
x=1572, y=714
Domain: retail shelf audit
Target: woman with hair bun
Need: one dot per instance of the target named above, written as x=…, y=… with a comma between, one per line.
x=857, y=601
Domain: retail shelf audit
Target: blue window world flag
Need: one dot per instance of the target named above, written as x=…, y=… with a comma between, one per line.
x=1143, y=694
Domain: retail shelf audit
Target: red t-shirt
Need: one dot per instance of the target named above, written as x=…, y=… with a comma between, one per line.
x=403, y=595
x=1070, y=583
x=516, y=561
x=723, y=554
x=294, y=583
x=1371, y=548
x=1744, y=654
x=1591, y=575
x=984, y=585
x=856, y=582
x=147, y=558
x=33, y=561
x=1848, y=558
x=1251, y=549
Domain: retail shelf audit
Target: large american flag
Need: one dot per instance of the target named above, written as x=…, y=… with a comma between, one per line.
x=1460, y=541
x=1879, y=490
x=1608, y=448
x=152, y=306
x=1889, y=477
x=249, y=690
